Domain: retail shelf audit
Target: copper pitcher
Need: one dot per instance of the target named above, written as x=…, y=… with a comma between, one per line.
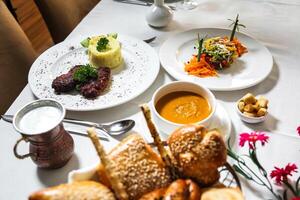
x=40, y=124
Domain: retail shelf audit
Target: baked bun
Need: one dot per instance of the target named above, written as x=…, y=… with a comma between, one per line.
x=198, y=153
x=139, y=168
x=84, y=190
x=178, y=190
x=222, y=194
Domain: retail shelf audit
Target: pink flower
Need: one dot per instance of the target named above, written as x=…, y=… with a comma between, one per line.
x=298, y=130
x=281, y=174
x=252, y=138
x=295, y=198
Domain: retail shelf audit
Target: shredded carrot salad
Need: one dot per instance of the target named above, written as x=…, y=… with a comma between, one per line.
x=218, y=53
x=201, y=68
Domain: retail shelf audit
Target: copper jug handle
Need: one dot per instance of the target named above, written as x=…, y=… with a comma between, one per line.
x=25, y=155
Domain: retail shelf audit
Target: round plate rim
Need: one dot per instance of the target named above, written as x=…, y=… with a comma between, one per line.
x=78, y=39
x=175, y=74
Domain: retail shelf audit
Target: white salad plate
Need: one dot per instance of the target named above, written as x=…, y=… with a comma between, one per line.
x=140, y=69
x=248, y=70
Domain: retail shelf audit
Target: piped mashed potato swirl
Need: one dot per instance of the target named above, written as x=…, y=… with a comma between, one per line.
x=109, y=57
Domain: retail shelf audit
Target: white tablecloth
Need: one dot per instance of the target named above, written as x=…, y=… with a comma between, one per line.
x=274, y=23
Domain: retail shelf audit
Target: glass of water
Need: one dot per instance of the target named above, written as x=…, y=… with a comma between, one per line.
x=187, y=4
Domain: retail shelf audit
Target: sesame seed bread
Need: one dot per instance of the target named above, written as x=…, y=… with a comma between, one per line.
x=198, y=153
x=140, y=169
x=85, y=190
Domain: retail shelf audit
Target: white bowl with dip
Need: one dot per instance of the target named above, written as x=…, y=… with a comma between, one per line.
x=167, y=126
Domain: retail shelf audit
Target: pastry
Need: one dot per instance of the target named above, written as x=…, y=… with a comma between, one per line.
x=198, y=153
x=178, y=190
x=85, y=190
x=222, y=194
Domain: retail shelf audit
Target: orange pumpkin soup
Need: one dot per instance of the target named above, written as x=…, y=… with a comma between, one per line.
x=183, y=107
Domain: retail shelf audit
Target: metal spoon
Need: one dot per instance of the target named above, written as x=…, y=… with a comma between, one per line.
x=115, y=128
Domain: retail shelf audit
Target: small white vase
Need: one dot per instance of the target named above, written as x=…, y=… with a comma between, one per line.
x=159, y=14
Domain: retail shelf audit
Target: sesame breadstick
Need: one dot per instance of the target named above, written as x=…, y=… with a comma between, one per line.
x=116, y=184
x=157, y=141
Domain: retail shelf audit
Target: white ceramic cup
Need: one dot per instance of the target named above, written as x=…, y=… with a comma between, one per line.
x=166, y=126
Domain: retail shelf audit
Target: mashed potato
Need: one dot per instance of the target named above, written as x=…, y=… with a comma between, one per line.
x=110, y=57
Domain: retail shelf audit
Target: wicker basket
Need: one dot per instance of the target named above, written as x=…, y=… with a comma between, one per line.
x=229, y=177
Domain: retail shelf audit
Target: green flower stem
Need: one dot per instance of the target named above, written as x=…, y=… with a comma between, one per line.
x=290, y=187
x=241, y=161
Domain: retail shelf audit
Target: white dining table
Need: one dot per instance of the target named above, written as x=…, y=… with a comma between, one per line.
x=275, y=23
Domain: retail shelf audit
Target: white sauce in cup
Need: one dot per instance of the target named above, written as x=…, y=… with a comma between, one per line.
x=40, y=119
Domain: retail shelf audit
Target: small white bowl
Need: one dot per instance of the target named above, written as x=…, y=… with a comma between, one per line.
x=167, y=126
x=250, y=120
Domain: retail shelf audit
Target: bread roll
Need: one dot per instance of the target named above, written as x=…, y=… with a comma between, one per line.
x=178, y=190
x=198, y=153
x=140, y=169
x=85, y=190
x=222, y=194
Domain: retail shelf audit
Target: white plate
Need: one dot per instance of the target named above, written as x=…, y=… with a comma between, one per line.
x=248, y=70
x=141, y=67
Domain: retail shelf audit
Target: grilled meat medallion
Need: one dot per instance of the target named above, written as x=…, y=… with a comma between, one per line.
x=91, y=89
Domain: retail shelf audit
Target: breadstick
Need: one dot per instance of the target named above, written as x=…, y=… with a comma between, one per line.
x=116, y=184
x=157, y=141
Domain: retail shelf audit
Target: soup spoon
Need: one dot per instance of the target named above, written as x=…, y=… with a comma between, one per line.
x=115, y=128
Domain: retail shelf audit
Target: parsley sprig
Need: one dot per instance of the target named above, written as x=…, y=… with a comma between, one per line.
x=102, y=44
x=83, y=74
x=236, y=26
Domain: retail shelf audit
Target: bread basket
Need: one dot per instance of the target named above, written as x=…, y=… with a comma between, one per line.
x=229, y=177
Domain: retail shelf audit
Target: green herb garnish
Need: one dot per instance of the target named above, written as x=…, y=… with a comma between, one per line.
x=200, y=43
x=84, y=73
x=113, y=35
x=85, y=43
x=236, y=26
x=102, y=44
